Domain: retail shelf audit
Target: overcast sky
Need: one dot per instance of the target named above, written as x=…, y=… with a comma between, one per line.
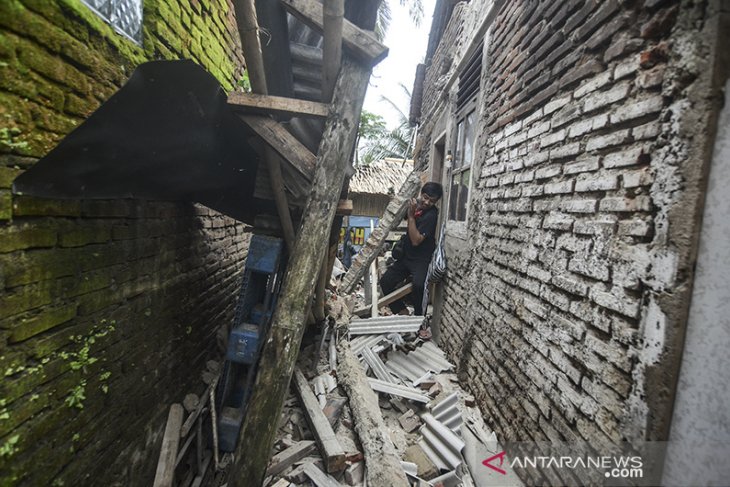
x=407, y=44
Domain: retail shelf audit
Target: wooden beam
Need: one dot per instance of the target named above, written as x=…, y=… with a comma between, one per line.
x=284, y=143
x=333, y=16
x=360, y=43
x=165, y=474
x=344, y=207
x=393, y=215
x=281, y=347
x=387, y=299
x=318, y=477
x=277, y=105
x=383, y=465
x=330, y=449
x=288, y=457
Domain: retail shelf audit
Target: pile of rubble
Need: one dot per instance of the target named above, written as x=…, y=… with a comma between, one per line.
x=429, y=426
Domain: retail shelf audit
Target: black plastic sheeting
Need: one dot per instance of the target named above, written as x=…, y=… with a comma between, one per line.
x=167, y=134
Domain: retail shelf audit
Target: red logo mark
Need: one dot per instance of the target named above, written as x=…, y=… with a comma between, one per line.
x=500, y=456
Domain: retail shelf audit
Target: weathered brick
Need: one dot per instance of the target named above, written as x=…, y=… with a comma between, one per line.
x=637, y=109
x=547, y=172
x=609, y=140
x=43, y=321
x=564, y=151
x=648, y=131
x=558, y=221
x=600, y=99
x=582, y=165
x=611, y=351
x=561, y=187
x=593, y=84
x=596, y=182
x=637, y=203
x=19, y=237
x=638, y=178
x=634, y=228
x=552, y=138
x=579, y=205
x=621, y=303
x=573, y=286
x=605, y=225
x=556, y=104
x=626, y=157
x=592, y=268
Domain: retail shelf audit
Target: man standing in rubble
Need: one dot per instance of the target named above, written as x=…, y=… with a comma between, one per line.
x=413, y=252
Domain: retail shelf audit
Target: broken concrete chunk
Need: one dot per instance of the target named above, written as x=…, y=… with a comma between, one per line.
x=355, y=473
x=191, y=402
x=426, y=469
x=409, y=421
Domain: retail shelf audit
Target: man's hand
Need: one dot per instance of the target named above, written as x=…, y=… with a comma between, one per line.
x=412, y=206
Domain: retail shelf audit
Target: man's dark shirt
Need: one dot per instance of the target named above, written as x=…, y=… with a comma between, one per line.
x=426, y=226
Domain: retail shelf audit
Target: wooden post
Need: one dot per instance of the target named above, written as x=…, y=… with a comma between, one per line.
x=374, y=288
x=248, y=29
x=334, y=10
x=383, y=466
x=281, y=347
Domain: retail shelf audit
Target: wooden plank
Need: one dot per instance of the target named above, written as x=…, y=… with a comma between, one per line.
x=288, y=457
x=263, y=104
x=386, y=300
x=281, y=347
x=319, y=478
x=330, y=449
x=190, y=421
x=344, y=207
x=165, y=474
x=284, y=143
x=360, y=43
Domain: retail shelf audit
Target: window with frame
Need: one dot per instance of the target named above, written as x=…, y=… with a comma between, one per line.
x=124, y=15
x=463, y=141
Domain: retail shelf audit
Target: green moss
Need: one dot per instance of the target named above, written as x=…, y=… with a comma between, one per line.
x=6, y=202
x=21, y=237
x=44, y=321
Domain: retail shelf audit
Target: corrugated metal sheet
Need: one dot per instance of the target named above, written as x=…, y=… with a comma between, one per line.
x=440, y=444
x=359, y=343
x=398, y=390
x=385, y=325
x=414, y=365
x=447, y=412
x=377, y=366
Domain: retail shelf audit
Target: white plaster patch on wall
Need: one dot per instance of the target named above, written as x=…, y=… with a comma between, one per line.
x=653, y=328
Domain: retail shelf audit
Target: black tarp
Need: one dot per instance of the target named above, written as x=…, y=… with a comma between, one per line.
x=167, y=134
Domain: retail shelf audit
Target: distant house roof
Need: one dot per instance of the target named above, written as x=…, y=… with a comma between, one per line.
x=384, y=177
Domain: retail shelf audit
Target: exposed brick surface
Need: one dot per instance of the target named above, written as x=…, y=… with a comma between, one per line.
x=545, y=301
x=108, y=309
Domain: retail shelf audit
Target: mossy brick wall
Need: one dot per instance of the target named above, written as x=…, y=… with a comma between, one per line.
x=566, y=305
x=108, y=309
